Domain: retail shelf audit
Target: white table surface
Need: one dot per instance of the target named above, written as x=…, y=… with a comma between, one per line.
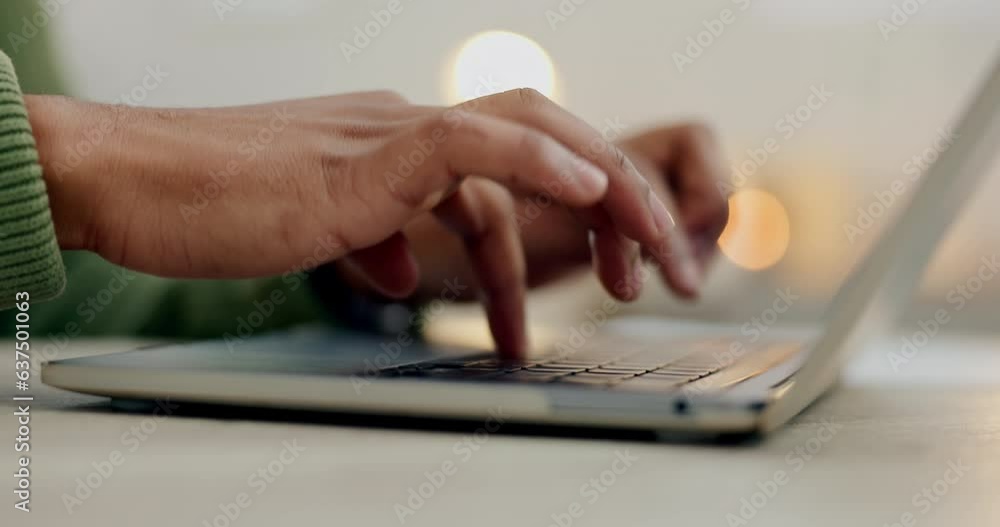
x=896, y=434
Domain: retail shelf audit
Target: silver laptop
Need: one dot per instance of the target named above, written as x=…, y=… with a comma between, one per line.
x=685, y=385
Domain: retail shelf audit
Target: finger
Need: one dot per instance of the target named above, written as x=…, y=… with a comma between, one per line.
x=616, y=261
x=674, y=245
x=482, y=214
x=389, y=267
x=691, y=158
x=629, y=202
x=449, y=147
x=608, y=255
x=683, y=273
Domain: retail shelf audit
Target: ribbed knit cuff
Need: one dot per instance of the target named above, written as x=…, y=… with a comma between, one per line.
x=29, y=253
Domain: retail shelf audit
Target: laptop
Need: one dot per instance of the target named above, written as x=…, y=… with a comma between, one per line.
x=670, y=386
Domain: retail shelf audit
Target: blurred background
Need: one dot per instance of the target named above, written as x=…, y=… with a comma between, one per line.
x=822, y=105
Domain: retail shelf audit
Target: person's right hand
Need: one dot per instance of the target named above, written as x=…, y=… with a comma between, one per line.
x=260, y=190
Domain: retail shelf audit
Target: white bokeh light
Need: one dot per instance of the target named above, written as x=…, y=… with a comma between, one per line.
x=496, y=61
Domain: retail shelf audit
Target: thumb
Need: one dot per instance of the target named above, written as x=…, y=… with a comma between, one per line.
x=389, y=267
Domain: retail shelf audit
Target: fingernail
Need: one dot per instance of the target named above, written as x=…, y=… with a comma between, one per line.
x=690, y=274
x=682, y=258
x=638, y=273
x=590, y=177
x=664, y=221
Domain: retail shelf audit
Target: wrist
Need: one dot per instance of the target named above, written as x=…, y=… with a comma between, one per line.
x=75, y=141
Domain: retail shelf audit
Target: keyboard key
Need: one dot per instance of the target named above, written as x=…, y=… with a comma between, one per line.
x=445, y=364
x=698, y=372
x=610, y=370
x=572, y=364
x=640, y=365
x=549, y=368
x=689, y=362
x=503, y=364
x=528, y=376
x=674, y=375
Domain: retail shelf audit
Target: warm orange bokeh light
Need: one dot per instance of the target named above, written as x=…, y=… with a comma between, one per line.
x=758, y=231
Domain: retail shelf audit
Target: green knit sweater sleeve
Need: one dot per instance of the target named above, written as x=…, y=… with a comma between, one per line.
x=29, y=254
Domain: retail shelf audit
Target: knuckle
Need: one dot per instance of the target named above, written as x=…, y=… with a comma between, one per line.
x=531, y=98
x=412, y=197
x=430, y=169
x=337, y=174
x=413, y=194
x=451, y=124
x=621, y=160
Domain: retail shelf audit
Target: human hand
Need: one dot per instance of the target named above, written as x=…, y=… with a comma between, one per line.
x=316, y=180
x=684, y=166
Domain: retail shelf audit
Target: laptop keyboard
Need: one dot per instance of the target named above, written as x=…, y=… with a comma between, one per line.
x=596, y=365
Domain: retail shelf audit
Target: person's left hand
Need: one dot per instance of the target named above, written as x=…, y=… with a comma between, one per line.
x=683, y=165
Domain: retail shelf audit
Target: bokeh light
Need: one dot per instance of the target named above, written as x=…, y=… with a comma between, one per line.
x=496, y=61
x=758, y=231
